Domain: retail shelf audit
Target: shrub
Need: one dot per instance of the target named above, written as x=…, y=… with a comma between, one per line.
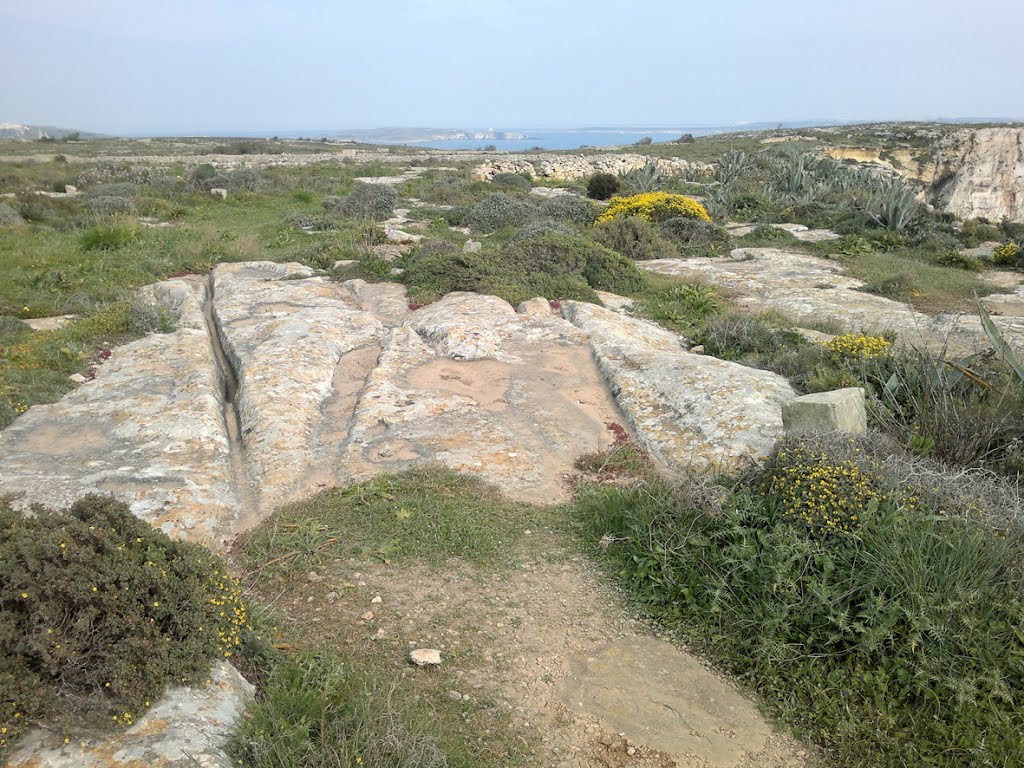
x=110, y=206
x=368, y=201
x=857, y=346
x=570, y=208
x=314, y=706
x=498, y=211
x=538, y=227
x=8, y=216
x=825, y=495
x=602, y=186
x=695, y=234
x=683, y=307
x=57, y=212
x=635, y=238
x=1008, y=255
x=896, y=645
x=110, y=235
x=512, y=183
x=559, y=255
x=246, y=180
x=654, y=206
x=114, y=172
x=958, y=260
x=99, y=611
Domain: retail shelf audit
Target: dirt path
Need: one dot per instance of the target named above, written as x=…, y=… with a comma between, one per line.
x=534, y=639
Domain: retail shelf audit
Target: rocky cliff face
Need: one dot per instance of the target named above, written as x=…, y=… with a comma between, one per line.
x=980, y=174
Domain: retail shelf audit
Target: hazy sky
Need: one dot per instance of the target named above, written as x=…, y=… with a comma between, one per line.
x=186, y=66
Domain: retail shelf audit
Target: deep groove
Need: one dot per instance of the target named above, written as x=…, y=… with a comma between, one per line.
x=228, y=378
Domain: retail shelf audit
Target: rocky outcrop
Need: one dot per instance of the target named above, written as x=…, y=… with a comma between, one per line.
x=809, y=288
x=687, y=410
x=281, y=382
x=573, y=167
x=979, y=173
x=187, y=727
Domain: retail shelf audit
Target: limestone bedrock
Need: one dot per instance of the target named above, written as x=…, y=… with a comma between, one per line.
x=280, y=382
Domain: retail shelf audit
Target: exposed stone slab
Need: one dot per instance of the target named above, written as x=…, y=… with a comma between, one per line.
x=842, y=410
x=685, y=409
x=656, y=695
x=187, y=727
x=803, y=286
x=284, y=338
x=149, y=428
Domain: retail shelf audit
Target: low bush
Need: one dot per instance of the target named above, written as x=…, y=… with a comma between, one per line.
x=109, y=205
x=99, y=611
x=695, y=236
x=9, y=216
x=318, y=705
x=498, y=211
x=246, y=180
x=602, y=186
x=654, y=206
x=366, y=201
x=512, y=183
x=561, y=256
x=635, y=238
x=1008, y=255
x=59, y=213
x=569, y=208
x=110, y=235
x=887, y=629
x=538, y=227
x=686, y=308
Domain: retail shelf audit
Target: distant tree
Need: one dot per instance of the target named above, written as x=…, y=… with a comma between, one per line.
x=490, y=148
x=645, y=141
x=686, y=138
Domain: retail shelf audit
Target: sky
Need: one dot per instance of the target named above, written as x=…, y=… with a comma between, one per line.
x=134, y=67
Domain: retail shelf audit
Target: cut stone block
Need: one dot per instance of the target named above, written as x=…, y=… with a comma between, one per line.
x=842, y=410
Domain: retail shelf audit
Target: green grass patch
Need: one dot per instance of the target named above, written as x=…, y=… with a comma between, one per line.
x=328, y=706
x=427, y=512
x=900, y=642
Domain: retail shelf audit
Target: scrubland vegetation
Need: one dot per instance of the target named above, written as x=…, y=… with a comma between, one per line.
x=868, y=590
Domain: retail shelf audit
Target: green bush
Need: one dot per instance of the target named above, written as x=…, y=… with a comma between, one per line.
x=695, y=235
x=899, y=644
x=99, y=611
x=569, y=208
x=9, y=216
x=1008, y=255
x=602, y=186
x=109, y=205
x=315, y=706
x=110, y=235
x=559, y=255
x=366, y=201
x=499, y=211
x=57, y=212
x=512, y=183
x=635, y=238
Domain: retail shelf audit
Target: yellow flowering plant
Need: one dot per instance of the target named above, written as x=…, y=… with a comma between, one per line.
x=654, y=206
x=857, y=346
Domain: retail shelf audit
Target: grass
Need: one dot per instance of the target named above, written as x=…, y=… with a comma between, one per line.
x=324, y=689
x=428, y=512
x=900, y=644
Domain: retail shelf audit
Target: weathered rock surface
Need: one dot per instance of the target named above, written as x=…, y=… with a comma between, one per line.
x=651, y=693
x=573, y=167
x=281, y=382
x=842, y=410
x=149, y=428
x=685, y=409
x=979, y=173
x=803, y=286
x=186, y=728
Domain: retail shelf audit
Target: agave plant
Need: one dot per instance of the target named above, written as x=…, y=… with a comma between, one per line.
x=732, y=166
x=895, y=207
x=644, y=179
